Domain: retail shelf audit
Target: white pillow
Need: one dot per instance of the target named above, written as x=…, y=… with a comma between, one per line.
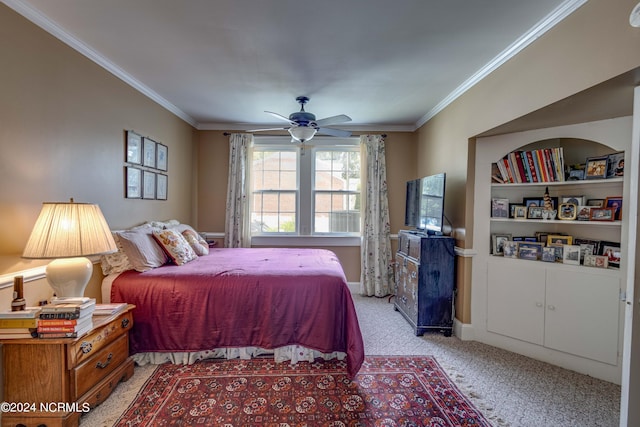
x=141, y=248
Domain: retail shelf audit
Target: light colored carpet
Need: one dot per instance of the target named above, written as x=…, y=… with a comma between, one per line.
x=510, y=390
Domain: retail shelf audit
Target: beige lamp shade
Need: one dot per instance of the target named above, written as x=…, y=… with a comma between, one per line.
x=69, y=230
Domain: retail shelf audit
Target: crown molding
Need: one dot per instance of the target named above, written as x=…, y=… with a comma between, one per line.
x=63, y=35
x=352, y=128
x=551, y=20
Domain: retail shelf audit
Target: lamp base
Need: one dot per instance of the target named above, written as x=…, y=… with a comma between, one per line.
x=69, y=276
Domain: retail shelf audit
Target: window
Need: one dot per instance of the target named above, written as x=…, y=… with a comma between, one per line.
x=305, y=191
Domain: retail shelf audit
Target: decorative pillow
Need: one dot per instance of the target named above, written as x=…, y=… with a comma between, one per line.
x=175, y=246
x=116, y=262
x=197, y=243
x=142, y=249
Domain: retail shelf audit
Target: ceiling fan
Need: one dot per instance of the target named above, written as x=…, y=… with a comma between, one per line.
x=303, y=125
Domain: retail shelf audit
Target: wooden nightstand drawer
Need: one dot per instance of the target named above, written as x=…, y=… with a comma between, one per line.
x=99, y=338
x=94, y=369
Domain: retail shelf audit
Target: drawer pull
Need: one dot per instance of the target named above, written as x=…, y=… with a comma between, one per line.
x=105, y=364
x=85, y=347
x=125, y=322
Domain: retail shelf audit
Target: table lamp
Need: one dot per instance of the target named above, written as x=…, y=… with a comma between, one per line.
x=68, y=233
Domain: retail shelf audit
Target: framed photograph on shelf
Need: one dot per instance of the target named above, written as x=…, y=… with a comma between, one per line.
x=497, y=243
x=148, y=185
x=598, y=261
x=616, y=204
x=133, y=182
x=549, y=254
x=530, y=250
x=510, y=249
x=532, y=201
x=615, y=165
x=612, y=251
x=161, y=186
x=587, y=246
x=567, y=211
x=596, y=167
x=520, y=212
x=535, y=212
x=541, y=236
x=133, y=149
x=598, y=203
x=559, y=239
x=499, y=208
x=575, y=200
x=149, y=153
x=162, y=160
x=584, y=213
x=602, y=214
x=571, y=254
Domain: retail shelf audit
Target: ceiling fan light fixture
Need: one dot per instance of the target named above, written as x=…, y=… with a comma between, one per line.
x=302, y=133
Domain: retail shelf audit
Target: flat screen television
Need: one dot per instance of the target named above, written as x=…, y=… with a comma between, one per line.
x=424, y=208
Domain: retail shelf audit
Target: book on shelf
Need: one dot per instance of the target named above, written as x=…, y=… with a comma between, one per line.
x=109, y=309
x=18, y=322
x=542, y=165
x=27, y=313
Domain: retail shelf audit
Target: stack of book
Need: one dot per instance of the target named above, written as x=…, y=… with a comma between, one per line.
x=66, y=318
x=109, y=309
x=19, y=324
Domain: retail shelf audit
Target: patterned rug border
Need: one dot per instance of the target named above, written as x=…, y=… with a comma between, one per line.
x=454, y=404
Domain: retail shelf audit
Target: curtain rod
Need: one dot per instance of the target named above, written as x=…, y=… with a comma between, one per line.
x=384, y=135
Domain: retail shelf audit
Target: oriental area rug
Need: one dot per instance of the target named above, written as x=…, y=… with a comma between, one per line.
x=388, y=391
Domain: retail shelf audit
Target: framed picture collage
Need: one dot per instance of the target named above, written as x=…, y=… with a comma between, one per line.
x=146, y=166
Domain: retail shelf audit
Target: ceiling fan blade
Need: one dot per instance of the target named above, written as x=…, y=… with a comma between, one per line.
x=334, y=132
x=280, y=116
x=341, y=118
x=267, y=129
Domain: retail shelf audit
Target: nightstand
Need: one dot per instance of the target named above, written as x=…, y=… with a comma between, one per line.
x=51, y=382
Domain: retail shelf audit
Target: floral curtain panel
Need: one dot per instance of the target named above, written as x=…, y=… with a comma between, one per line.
x=237, y=232
x=376, y=275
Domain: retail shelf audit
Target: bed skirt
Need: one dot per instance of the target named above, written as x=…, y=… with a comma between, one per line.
x=291, y=353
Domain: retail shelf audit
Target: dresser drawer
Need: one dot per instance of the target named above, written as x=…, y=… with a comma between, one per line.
x=97, y=367
x=407, y=287
x=100, y=337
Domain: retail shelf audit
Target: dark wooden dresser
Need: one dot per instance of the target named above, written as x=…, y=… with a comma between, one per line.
x=425, y=281
x=51, y=382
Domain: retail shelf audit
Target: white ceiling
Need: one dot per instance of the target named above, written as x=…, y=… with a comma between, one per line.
x=219, y=64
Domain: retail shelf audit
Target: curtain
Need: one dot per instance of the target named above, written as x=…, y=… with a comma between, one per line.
x=237, y=230
x=376, y=275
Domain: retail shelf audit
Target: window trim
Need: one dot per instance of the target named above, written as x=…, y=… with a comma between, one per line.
x=311, y=238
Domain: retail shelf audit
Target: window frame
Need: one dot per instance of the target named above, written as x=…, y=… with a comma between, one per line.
x=304, y=234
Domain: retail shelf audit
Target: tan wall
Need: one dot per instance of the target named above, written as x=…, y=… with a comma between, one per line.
x=62, y=122
x=592, y=45
x=213, y=164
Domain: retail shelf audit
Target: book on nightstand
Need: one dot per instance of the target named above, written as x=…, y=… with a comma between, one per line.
x=27, y=313
x=109, y=309
x=69, y=317
x=59, y=325
x=62, y=309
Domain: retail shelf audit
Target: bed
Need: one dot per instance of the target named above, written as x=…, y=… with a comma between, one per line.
x=242, y=302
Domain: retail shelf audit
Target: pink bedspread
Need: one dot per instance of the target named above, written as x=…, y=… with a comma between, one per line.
x=243, y=297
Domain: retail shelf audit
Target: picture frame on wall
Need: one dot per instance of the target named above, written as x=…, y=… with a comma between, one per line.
x=133, y=149
x=149, y=152
x=162, y=160
x=161, y=186
x=133, y=182
x=148, y=185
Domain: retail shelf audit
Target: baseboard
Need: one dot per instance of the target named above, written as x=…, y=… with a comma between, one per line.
x=464, y=331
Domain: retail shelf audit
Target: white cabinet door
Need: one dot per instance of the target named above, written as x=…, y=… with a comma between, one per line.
x=582, y=314
x=515, y=300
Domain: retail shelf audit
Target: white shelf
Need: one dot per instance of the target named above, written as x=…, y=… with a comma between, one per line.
x=560, y=183
x=559, y=221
